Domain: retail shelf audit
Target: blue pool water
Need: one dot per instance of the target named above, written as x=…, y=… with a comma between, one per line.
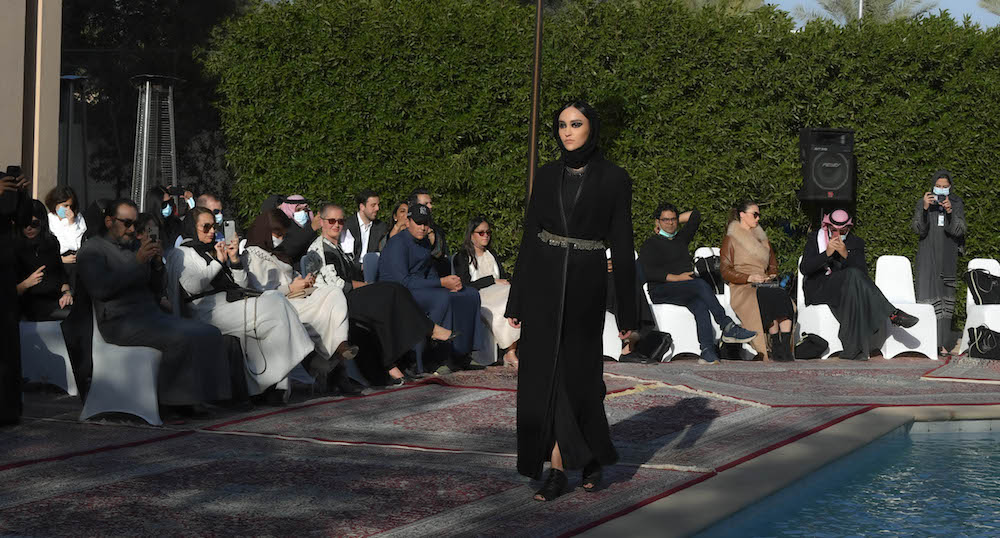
x=920, y=484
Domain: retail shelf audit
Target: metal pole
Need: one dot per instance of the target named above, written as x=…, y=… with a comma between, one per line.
x=861, y=8
x=144, y=178
x=535, y=84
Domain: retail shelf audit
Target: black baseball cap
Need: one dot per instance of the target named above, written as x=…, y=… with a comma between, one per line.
x=420, y=214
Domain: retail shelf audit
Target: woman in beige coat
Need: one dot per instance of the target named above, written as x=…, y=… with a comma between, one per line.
x=750, y=267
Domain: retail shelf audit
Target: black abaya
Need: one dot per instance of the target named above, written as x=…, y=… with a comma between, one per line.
x=558, y=294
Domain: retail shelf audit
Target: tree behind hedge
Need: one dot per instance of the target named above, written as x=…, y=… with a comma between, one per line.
x=326, y=98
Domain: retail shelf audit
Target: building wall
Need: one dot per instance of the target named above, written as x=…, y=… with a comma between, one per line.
x=30, y=43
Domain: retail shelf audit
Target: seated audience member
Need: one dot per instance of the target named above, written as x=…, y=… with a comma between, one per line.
x=208, y=201
x=206, y=278
x=436, y=236
x=388, y=308
x=398, y=223
x=836, y=274
x=747, y=258
x=94, y=217
x=407, y=259
x=43, y=285
x=118, y=274
x=160, y=204
x=66, y=224
x=364, y=228
x=480, y=268
x=302, y=230
x=145, y=226
x=666, y=264
x=323, y=311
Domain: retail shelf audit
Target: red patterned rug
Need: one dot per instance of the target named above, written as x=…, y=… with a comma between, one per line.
x=968, y=370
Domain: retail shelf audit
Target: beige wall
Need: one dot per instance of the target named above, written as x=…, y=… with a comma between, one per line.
x=30, y=43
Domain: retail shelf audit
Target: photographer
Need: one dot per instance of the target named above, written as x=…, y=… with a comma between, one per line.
x=939, y=222
x=13, y=198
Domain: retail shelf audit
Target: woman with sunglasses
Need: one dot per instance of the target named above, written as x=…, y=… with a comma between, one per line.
x=749, y=265
x=43, y=284
x=480, y=268
x=323, y=311
x=205, y=279
x=387, y=308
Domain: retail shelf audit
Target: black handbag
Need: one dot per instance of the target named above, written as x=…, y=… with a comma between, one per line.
x=709, y=269
x=984, y=287
x=984, y=343
x=650, y=348
x=811, y=346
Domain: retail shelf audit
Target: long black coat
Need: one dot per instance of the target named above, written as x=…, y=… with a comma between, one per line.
x=559, y=296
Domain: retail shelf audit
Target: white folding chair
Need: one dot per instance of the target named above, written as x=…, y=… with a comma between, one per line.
x=123, y=380
x=818, y=319
x=894, y=277
x=44, y=358
x=609, y=338
x=679, y=322
x=980, y=314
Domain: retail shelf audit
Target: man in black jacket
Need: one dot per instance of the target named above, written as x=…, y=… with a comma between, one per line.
x=835, y=273
x=666, y=263
x=365, y=226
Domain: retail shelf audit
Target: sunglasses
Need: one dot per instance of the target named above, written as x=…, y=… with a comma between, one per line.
x=207, y=227
x=483, y=234
x=35, y=223
x=336, y=221
x=127, y=223
x=216, y=211
x=755, y=214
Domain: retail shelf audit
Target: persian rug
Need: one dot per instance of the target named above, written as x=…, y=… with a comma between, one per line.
x=968, y=370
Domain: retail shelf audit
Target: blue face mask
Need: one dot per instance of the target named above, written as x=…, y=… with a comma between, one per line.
x=667, y=234
x=301, y=217
x=167, y=211
x=61, y=211
x=218, y=218
x=190, y=202
x=942, y=191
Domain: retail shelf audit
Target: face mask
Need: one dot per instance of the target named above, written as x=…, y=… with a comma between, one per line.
x=667, y=234
x=277, y=241
x=190, y=202
x=167, y=211
x=61, y=211
x=942, y=191
x=218, y=218
x=301, y=217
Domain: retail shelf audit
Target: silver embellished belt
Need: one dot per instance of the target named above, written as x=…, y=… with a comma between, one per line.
x=567, y=242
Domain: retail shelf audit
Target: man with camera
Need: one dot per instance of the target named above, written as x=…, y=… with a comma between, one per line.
x=123, y=277
x=13, y=198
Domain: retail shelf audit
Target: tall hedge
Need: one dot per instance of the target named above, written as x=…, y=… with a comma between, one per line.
x=325, y=98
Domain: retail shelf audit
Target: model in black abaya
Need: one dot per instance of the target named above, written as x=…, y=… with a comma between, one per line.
x=558, y=295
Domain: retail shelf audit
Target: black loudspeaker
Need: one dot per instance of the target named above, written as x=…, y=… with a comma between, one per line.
x=828, y=166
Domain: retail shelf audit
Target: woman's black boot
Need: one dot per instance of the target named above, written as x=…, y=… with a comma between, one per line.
x=785, y=341
x=555, y=485
x=775, y=341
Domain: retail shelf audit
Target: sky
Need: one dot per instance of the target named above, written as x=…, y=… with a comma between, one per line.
x=957, y=8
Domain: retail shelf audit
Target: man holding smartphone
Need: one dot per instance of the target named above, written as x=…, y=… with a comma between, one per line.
x=13, y=195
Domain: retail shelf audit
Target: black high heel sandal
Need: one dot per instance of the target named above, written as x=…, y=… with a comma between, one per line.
x=592, y=475
x=555, y=485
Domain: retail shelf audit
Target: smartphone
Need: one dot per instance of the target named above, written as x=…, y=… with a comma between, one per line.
x=13, y=170
x=230, y=227
x=8, y=200
x=941, y=198
x=153, y=233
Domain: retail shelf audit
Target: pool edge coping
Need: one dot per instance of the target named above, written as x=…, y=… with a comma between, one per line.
x=706, y=502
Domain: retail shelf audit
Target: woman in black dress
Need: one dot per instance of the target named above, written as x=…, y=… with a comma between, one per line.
x=43, y=285
x=579, y=203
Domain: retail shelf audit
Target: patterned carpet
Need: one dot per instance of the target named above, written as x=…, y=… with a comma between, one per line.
x=429, y=459
x=967, y=369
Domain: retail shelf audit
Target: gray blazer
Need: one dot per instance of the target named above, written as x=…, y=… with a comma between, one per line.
x=115, y=281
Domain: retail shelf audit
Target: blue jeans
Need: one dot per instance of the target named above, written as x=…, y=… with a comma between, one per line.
x=698, y=297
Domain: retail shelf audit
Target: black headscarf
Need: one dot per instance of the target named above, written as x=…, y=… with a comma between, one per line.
x=579, y=157
x=35, y=209
x=943, y=173
x=260, y=233
x=189, y=231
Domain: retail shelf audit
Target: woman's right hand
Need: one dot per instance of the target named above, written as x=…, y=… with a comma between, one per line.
x=33, y=279
x=929, y=199
x=69, y=258
x=514, y=322
x=298, y=284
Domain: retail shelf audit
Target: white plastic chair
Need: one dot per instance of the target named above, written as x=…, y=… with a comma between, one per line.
x=725, y=299
x=44, y=357
x=123, y=380
x=980, y=314
x=894, y=276
x=609, y=338
x=818, y=319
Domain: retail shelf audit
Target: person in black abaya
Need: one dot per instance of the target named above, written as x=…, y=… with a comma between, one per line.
x=579, y=203
x=13, y=200
x=43, y=283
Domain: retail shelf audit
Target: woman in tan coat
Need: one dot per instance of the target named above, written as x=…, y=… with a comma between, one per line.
x=750, y=267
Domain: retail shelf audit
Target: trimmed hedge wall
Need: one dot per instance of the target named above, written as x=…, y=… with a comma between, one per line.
x=325, y=98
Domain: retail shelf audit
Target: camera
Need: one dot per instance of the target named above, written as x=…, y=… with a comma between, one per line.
x=941, y=198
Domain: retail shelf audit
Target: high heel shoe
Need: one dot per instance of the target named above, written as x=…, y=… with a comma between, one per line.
x=555, y=485
x=592, y=474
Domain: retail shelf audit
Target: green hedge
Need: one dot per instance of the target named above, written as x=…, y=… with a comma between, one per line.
x=326, y=98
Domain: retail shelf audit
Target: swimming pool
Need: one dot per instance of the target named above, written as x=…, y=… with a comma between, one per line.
x=927, y=479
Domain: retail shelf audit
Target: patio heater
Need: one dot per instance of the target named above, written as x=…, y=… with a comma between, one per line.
x=155, y=161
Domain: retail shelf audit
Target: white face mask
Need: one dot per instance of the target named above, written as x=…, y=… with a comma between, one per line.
x=276, y=241
x=218, y=218
x=942, y=191
x=190, y=203
x=301, y=217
